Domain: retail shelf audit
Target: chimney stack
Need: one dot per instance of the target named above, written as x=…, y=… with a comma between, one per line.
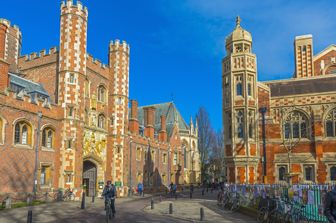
x=133, y=121
x=163, y=131
x=149, y=115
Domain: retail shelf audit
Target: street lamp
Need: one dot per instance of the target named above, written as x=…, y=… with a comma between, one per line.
x=263, y=111
x=39, y=115
x=130, y=171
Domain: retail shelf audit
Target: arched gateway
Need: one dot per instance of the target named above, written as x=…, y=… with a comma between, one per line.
x=89, y=178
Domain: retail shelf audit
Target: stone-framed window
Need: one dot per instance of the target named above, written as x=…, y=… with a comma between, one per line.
x=72, y=78
x=309, y=172
x=239, y=85
x=295, y=125
x=23, y=133
x=48, y=136
x=250, y=88
x=330, y=123
x=333, y=173
x=45, y=175
x=282, y=171
x=251, y=125
x=240, y=124
x=164, y=158
x=101, y=93
x=101, y=121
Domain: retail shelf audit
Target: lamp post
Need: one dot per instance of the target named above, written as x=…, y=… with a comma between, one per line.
x=39, y=115
x=263, y=111
x=130, y=172
x=168, y=165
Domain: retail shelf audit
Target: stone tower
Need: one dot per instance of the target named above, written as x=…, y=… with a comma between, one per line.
x=118, y=111
x=72, y=73
x=239, y=75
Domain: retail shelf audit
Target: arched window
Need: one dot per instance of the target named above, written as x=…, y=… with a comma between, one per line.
x=101, y=93
x=330, y=125
x=22, y=133
x=251, y=124
x=101, y=121
x=295, y=125
x=48, y=138
x=333, y=173
x=282, y=172
x=240, y=124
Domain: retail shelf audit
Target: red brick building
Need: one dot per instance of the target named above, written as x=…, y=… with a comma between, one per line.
x=84, y=135
x=300, y=119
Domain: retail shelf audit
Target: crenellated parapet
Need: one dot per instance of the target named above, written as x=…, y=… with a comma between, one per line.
x=35, y=59
x=120, y=46
x=70, y=7
x=96, y=65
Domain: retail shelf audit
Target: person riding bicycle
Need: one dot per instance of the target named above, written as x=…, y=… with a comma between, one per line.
x=330, y=206
x=109, y=192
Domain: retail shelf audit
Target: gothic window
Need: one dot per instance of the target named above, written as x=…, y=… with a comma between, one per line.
x=101, y=93
x=309, y=173
x=22, y=133
x=239, y=85
x=101, y=121
x=250, y=86
x=240, y=124
x=282, y=171
x=295, y=125
x=48, y=138
x=333, y=173
x=331, y=123
x=251, y=124
x=185, y=156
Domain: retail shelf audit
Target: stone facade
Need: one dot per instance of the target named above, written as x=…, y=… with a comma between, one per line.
x=300, y=118
x=85, y=136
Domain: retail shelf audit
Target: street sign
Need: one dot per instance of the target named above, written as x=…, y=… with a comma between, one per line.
x=118, y=184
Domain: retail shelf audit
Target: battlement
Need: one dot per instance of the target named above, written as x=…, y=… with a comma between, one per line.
x=118, y=45
x=68, y=6
x=8, y=24
x=96, y=65
x=42, y=53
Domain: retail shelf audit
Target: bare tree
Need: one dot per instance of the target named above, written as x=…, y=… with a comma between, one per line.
x=205, y=138
x=217, y=153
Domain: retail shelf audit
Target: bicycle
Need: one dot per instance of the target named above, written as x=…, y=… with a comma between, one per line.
x=295, y=214
x=68, y=195
x=108, y=210
x=270, y=210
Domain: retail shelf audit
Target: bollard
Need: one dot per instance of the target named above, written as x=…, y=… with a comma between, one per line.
x=152, y=204
x=191, y=194
x=30, y=216
x=170, y=208
x=83, y=201
x=93, y=198
x=202, y=214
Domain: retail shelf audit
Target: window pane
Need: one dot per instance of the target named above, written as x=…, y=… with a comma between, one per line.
x=303, y=130
x=287, y=130
x=49, y=139
x=44, y=138
x=17, y=133
x=329, y=127
x=240, y=131
x=24, y=135
x=296, y=130
x=249, y=89
x=309, y=173
x=43, y=175
x=239, y=89
x=282, y=172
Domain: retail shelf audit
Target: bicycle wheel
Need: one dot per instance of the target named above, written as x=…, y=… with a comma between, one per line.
x=262, y=215
x=235, y=205
x=108, y=214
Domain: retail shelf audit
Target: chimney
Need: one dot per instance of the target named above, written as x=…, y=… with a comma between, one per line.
x=4, y=66
x=163, y=131
x=303, y=48
x=149, y=115
x=133, y=121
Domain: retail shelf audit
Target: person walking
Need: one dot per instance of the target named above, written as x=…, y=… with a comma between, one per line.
x=330, y=206
x=140, y=188
x=109, y=192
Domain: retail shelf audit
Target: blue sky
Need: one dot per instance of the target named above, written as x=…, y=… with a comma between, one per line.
x=177, y=45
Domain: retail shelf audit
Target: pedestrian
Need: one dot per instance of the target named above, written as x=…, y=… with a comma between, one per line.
x=171, y=189
x=140, y=188
x=109, y=193
x=174, y=189
x=330, y=206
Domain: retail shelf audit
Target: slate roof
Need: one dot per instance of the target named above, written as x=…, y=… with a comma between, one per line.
x=170, y=111
x=302, y=86
x=27, y=85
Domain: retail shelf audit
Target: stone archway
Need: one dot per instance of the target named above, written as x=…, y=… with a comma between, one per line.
x=90, y=177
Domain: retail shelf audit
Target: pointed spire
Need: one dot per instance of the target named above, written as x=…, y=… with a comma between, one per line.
x=196, y=128
x=191, y=125
x=238, y=21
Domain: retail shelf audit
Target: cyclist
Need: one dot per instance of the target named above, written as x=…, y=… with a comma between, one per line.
x=109, y=192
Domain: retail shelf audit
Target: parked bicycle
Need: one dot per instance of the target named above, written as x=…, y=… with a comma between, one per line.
x=67, y=195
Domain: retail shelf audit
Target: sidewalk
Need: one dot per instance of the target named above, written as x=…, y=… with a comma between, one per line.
x=190, y=210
